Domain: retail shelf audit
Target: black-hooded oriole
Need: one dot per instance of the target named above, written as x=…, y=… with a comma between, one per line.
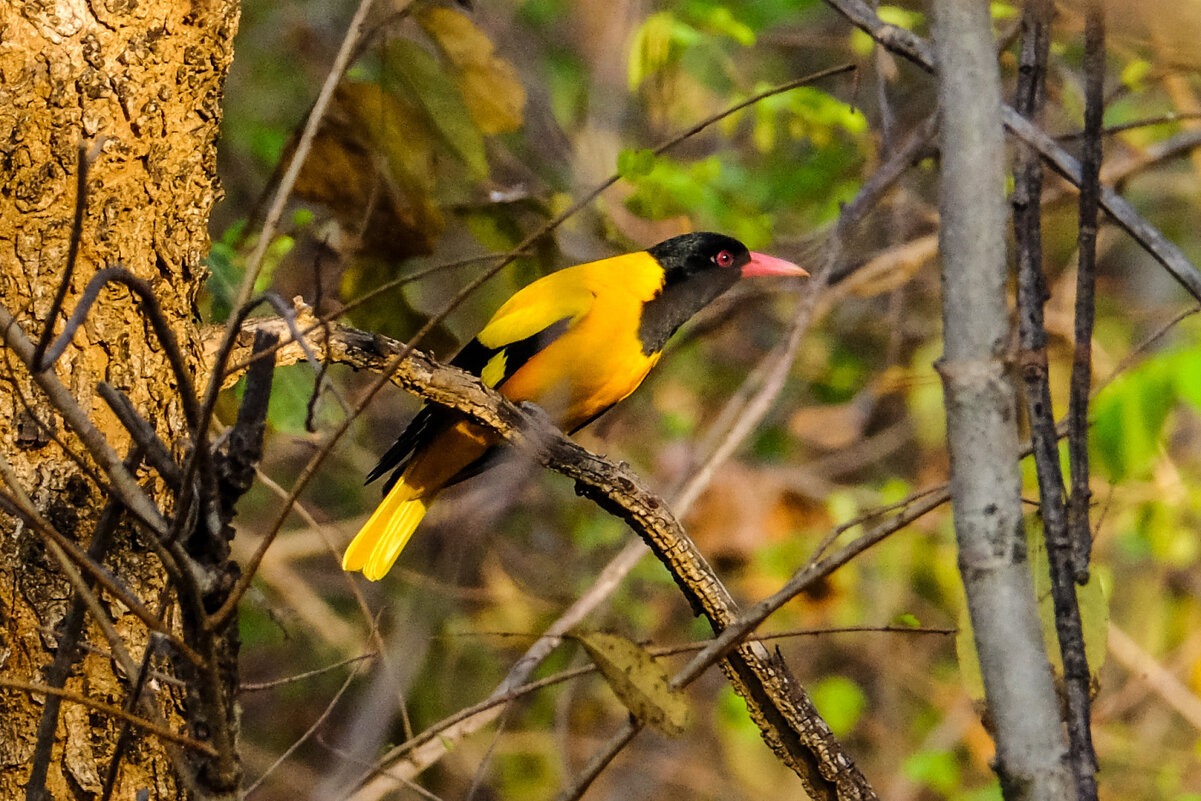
x=575, y=342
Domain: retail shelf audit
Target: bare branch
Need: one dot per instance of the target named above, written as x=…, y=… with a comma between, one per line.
x=83, y=162
x=917, y=50
x=64, y=402
x=147, y=726
x=981, y=419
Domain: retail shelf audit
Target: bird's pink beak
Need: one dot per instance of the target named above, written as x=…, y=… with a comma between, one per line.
x=762, y=264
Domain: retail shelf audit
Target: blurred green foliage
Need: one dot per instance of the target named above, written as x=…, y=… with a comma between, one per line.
x=457, y=134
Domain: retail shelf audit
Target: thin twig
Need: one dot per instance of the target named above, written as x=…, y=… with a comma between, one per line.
x=150, y=727
x=72, y=627
x=917, y=50
x=309, y=732
x=83, y=162
x=254, y=687
x=123, y=483
x=123, y=737
x=1070, y=565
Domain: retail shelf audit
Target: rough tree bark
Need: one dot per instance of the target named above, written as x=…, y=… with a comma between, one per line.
x=140, y=84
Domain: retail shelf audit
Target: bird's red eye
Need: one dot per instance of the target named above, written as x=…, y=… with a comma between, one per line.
x=723, y=259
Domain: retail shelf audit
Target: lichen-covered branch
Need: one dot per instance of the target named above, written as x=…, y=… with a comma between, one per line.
x=786, y=717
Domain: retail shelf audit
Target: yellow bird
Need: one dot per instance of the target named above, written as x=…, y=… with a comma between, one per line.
x=575, y=342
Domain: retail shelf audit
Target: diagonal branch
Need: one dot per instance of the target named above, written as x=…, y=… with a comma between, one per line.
x=918, y=50
x=786, y=718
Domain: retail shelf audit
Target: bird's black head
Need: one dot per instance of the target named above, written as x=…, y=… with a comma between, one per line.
x=696, y=269
x=693, y=255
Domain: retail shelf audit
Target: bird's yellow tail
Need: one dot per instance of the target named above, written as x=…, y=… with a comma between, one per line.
x=379, y=542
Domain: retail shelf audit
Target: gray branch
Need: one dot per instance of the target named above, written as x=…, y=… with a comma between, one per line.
x=918, y=50
x=982, y=435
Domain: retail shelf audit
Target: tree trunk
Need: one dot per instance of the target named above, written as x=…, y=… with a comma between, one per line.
x=139, y=83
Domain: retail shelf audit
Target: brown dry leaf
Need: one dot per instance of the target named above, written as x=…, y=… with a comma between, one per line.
x=490, y=85
x=830, y=427
x=638, y=680
x=743, y=510
x=372, y=164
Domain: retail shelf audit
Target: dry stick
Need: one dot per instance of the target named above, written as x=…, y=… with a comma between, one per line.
x=1069, y=563
x=156, y=453
x=72, y=627
x=259, y=686
x=917, y=50
x=123, y=483
x=135, y=695
x=1033, y=362
x=148, y=726
x=1086, y=283
x=81, y=199
x=318, y=458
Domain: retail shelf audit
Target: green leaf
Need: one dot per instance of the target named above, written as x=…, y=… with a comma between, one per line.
x=720, y=20
x=633, y=164
x=639, y=682
x=938, y=770
x=1130, y=415
x=415, y=74
x=840, y=701
x=1135, y=73
x=907, y=619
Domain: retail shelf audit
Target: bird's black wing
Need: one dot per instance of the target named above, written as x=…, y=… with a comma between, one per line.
x=473, y=357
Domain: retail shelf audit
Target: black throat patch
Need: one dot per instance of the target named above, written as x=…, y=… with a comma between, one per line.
x=676, y=302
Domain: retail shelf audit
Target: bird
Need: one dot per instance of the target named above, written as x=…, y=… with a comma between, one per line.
x=575, y=342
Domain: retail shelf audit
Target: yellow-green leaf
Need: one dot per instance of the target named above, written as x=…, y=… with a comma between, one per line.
x=491, y=88
x=416, y=74
x=638, y=681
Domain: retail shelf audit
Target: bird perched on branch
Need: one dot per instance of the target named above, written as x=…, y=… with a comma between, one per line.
x=575, y=342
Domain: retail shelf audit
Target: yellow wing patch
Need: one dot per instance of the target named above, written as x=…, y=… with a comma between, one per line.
x=494, y=370
x=536, y=307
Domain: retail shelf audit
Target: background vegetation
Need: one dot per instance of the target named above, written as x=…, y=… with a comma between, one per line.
x=457, y=134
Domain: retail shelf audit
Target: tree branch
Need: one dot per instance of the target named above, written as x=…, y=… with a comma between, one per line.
x=787, y=718
x=981, y=419
x=918, y=50
x=1032, y=294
